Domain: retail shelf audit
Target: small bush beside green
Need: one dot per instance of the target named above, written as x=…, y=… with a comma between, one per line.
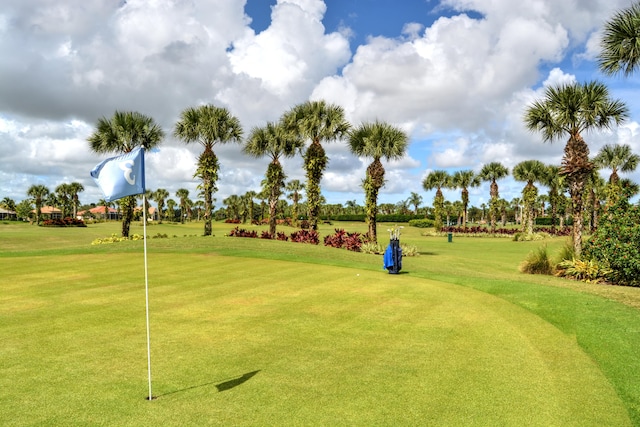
x=344, y=239
x=537, y=262
x=421, y=223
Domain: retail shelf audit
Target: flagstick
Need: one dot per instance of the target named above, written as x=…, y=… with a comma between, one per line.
x=146, y=288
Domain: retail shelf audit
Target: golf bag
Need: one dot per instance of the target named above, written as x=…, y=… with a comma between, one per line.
x=393, y=257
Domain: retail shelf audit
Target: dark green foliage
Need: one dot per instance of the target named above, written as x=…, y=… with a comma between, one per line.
x=421, y=223
x=615, y=243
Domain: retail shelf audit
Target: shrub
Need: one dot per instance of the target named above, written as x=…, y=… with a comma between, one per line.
x=421, y=223
x=614, y=245
x=232, y=221
x=529, y=237
x=266, y=235
x=343, y=239
x=281, y=236
x=240, y=232
x=305, y=236
x=587, y=271
x=537, y=262
x=64, y=222
x=409, y=250
x=371, y=248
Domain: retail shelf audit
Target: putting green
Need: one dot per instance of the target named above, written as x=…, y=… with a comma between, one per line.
x=258, y=342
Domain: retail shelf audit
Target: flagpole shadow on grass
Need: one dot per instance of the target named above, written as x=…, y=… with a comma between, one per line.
x=224, y=385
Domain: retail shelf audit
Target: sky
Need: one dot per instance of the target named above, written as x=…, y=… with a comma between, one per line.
x=455, y=75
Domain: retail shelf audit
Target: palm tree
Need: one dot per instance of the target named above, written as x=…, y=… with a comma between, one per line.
x=75, y=188
x=573, y=109
x=618, y=158
x=555, y=182
x=415, y=200
x=249, y=197
x=464, y=179
x=531, y=172
x=620, y=44
x=183, y=196
x=159, y=196
x=376, y=140
x=437, y=179
x=319, y=122
x=492, y=172
x=38, y=193
x=171, y=209
x=233, y=203
x=208, y=125
x=121, y=134
x=63, y=193
x=516, y=204
x=294, y=187
x=103, y=202
x=275, y=140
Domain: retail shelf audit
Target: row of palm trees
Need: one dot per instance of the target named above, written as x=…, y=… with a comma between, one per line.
x=314, y=122
x=65, y=197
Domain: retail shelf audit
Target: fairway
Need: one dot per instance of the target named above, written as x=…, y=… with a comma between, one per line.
x=240, y=340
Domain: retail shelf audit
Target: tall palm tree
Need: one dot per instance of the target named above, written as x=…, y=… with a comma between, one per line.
x=596, y=191
x=318, y=122
x=464, y=179
x=376, y=140
x=571, y=109
x=171, y=209
x=618, y=158
x=516, y=205
x=208, y=125
x=75, y=188
x=294, y=187
x=620, y=44
x=38, y=193
x=437, y=179
x=160, y=196
x=183, y=196
x=492, y=172
x=122, y=133
x=274, y=140
x=63, y=193
x=415, y=200
x=531, y=172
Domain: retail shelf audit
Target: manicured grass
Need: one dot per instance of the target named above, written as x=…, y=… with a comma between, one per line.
x=255, y=332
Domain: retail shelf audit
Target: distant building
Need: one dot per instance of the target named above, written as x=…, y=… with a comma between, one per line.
x=7, y=214
x=49, y=212
x=99, y=212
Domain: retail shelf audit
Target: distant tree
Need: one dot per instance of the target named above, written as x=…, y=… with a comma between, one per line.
x=415, y=200
x=376, y=140
x=318, y=122
x=464, y=179
x=275, y=140
x=122, y=133
x=8, y=203
x=531, y=172
x=437, y=179
x=171, y=209
x=160, y=195
x=208, y=125
x=294, y=187
x=38, y=194
x=74, y=189
x=23, y=209
x=555, y=182
x=492, y=172
x=183, y=196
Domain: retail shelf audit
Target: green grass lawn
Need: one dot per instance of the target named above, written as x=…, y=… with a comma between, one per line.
x=256, y=332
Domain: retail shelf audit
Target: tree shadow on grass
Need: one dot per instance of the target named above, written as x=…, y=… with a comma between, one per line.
x=221, y=385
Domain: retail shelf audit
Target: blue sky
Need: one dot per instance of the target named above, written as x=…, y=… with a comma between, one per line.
x=456, y=75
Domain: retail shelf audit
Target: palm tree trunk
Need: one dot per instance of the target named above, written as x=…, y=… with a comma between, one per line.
x=315, y=162
x=127, y=205
x=576, y=167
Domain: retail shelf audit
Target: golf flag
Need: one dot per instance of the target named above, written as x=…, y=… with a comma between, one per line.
x=121, y=176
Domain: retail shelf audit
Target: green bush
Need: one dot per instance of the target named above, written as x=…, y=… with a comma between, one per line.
x=614, y=245
x=421, y=223
x=586, y=271
x=537, y=262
